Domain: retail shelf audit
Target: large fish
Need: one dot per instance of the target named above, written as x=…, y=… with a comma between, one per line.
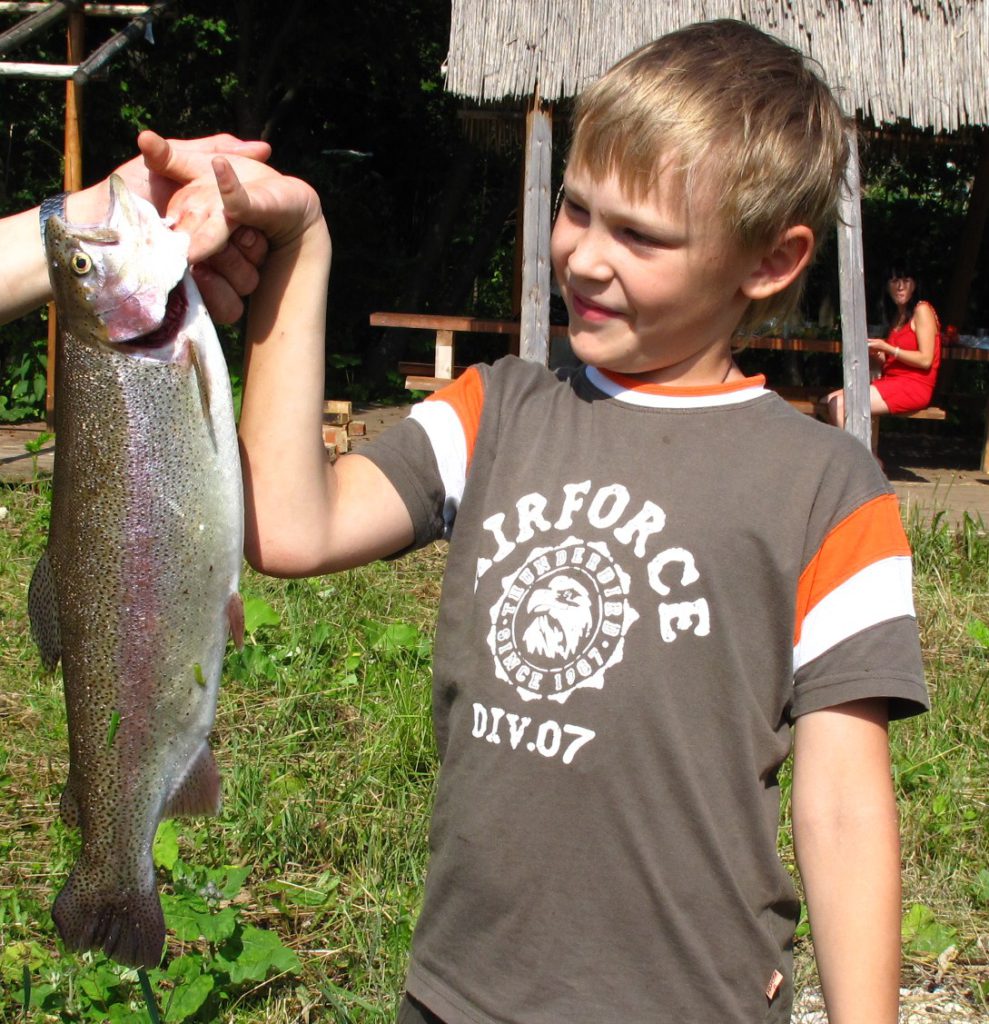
x=137, y=590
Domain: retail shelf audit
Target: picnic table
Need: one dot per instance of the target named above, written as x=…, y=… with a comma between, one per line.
x=444, y=368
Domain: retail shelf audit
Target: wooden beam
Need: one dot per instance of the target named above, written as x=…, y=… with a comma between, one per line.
x=93, y=10
x=31, y=26
x=851, y=275
x=16, y=69
x=537, y=210
x=133, y=32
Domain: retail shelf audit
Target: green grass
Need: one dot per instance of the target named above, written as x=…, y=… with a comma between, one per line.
x=324, y=741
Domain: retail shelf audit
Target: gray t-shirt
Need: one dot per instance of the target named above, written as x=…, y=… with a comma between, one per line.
x=645, y=587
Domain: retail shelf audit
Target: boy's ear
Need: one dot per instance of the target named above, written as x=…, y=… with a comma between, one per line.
x=782, y=264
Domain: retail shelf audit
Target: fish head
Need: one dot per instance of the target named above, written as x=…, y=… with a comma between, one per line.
x=116, y=282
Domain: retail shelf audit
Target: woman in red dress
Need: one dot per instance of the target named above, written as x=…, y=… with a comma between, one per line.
x=909, y=356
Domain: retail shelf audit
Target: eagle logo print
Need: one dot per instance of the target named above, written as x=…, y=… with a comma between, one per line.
x=561, y=620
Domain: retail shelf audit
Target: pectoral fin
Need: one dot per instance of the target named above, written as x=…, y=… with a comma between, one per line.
x=42, y=605
x=205, y=398
x=199, y=790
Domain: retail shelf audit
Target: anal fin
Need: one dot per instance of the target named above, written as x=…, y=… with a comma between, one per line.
x=235, y=616
x=42, y=605
x=199, y=790
x=68, y=806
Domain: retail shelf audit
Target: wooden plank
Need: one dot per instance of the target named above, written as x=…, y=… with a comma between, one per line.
x=430, y=322
x=426, y=383
x=854, y=330
x=338, y=408
x=443, y=355
x=409, y=369
x=537, y=210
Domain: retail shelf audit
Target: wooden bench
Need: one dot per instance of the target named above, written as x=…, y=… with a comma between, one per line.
x=807, y=399
x=426, y=377
x=445, y=330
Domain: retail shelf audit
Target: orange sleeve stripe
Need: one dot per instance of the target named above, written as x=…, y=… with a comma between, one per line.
x=869, y=534
x=466, y=397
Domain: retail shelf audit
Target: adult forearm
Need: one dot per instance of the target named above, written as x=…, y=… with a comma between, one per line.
x=23, y=267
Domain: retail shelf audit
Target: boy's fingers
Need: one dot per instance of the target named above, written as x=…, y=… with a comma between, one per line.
x=240, y=274
x=252, y=244
x=236, y=201
x=224, y=304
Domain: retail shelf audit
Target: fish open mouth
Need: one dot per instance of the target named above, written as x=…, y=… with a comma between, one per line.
x=157, y=344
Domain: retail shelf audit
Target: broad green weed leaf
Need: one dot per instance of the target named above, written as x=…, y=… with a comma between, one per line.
x=219, y=925
x=188, y=997
x=261, y=952
x=233, y=881
x=922, y=933
x=165, y=848
x=258, y=613
x=190, y=918
x=119, y=1013
x=397, y=636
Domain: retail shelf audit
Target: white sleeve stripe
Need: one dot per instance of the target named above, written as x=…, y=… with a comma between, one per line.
x=446, y=436
x=878, y=593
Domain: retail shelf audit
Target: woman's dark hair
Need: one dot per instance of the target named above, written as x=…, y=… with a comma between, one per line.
x=890, y=311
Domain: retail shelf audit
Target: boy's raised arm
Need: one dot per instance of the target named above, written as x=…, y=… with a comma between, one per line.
x=846, y=836
x=303, y=514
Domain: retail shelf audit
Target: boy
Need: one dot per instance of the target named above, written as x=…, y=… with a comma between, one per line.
x=655, y=569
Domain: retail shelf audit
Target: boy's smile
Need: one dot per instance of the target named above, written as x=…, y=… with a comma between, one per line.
x=654, y=287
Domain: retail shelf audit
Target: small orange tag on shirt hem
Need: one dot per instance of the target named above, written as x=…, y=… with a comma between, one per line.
x=774, y=985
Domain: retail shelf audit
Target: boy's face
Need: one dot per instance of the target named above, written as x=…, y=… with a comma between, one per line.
x=653, y=287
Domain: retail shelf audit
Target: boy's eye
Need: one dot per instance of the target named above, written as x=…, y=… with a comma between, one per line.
x=573, y=208
x=638, y=238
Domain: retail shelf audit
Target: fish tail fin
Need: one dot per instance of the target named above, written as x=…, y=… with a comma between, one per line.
x=128, y=926
x=198, y=791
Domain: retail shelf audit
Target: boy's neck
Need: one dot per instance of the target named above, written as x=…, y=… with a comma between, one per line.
x=710, y=367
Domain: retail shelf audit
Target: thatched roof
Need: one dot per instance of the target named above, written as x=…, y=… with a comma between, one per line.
x=924, y=60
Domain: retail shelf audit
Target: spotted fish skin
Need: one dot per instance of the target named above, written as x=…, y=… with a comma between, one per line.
x=136, y=593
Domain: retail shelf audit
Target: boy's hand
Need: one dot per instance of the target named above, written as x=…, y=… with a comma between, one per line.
x=243, y=192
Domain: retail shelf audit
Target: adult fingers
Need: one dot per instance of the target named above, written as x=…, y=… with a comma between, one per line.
x=183, y=159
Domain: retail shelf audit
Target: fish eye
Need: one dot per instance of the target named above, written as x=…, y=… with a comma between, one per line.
x=81, y=263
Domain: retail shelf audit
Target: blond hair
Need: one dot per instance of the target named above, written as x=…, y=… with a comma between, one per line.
x=725, y=100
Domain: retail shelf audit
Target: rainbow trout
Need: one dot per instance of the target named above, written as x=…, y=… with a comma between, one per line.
x=136, y=593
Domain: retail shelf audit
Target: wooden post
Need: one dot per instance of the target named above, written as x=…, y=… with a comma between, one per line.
x=72, y=181
x=854, y=329
x=536, y=214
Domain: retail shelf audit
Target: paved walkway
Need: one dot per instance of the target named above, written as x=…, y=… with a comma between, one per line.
x=931, y=472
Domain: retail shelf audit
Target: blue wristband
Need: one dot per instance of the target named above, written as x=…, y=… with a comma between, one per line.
x=52, y=206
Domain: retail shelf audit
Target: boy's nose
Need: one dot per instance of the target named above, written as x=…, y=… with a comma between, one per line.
x=588, y=256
